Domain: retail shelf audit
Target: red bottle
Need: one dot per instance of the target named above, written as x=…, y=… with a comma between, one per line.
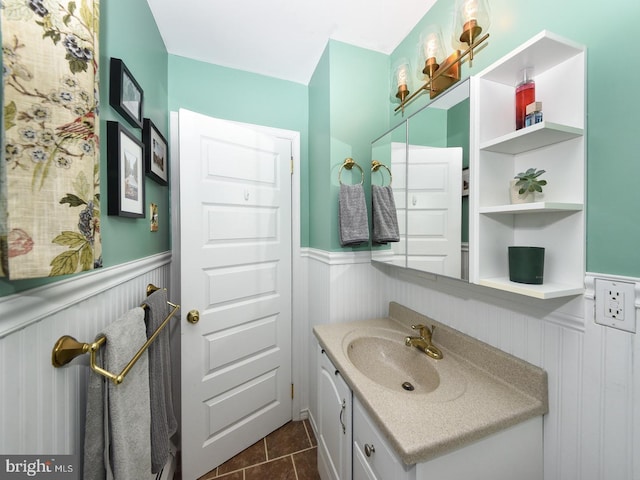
x=525, y=94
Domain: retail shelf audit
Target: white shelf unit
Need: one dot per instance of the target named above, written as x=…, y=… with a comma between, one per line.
x=556, y=221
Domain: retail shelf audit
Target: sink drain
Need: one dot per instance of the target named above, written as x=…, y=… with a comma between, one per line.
x=408, y=387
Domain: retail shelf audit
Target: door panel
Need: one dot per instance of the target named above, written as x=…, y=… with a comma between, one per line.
x=235, y=211
x=434, y=187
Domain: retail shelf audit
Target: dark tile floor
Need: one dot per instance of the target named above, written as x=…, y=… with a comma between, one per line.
x=289, y=453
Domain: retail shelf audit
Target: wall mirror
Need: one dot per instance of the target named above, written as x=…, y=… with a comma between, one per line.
x=427, y=154
x=391, y=151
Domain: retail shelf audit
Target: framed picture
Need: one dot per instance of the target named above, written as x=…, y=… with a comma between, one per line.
x=125, y=94
x=465, y=182
x=156, y=153
x=125, y=173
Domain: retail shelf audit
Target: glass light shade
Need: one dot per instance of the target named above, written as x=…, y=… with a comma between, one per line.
x=472, y=17
x=400, y=81
x=402, y=75
x=430, y=51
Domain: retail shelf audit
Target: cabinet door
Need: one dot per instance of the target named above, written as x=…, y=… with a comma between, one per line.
x=361, y=469
x=334, y=412
x=374, y=458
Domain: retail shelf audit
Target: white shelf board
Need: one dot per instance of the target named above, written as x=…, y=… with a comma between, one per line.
x=529, y=138
x=545, y=51
x=544, y=291
x=534, y=207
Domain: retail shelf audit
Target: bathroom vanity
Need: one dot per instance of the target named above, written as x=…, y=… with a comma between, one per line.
x=388, y=411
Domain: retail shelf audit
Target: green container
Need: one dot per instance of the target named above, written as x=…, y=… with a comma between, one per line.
x=526, y=265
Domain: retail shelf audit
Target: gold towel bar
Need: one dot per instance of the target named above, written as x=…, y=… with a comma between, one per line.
x=67, y=348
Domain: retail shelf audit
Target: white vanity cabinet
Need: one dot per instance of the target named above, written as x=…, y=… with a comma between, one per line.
x=360, y=437
x=334, y=422
x=370, y=454
x=556, y=220
x=373, y=458
x=515, y=452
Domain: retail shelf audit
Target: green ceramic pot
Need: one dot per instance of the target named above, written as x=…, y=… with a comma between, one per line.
x=526, y=265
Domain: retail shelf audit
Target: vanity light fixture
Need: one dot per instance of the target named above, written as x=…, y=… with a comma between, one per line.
x=471, y=18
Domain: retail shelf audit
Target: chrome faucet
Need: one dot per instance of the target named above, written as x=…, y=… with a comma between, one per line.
x=423, y=342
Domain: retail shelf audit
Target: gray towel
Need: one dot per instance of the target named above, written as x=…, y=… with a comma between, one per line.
x=163, y=420
x=94, y=430
x=384, y=215
x=352, y=215
x=117, y=443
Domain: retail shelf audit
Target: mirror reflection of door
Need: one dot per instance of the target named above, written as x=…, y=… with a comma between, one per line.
x=434, y=187
x=432, y=213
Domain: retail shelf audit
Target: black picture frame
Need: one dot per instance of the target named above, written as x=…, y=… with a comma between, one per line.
x=125, y=94
x=125, y=173
x=156, y=153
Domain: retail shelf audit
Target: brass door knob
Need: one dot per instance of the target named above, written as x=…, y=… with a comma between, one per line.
x=193, y=316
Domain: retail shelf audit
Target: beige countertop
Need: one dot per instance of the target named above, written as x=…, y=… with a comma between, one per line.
x=495, y=390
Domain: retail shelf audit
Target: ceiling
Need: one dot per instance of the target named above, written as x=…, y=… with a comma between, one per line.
x=281, y=38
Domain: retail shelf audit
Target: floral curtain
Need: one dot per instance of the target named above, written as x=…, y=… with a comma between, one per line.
x=49, y=172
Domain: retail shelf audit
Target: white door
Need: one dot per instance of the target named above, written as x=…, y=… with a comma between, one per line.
x=235, y=244
x=434, y=209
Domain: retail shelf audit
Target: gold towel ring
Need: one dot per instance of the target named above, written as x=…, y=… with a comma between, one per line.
x=375, y=166
x=349, y=163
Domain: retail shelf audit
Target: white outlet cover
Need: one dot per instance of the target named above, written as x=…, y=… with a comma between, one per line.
x=627, y=289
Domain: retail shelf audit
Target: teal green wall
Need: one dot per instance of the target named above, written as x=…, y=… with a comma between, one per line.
x=129, y=32
x=428, y=128
x=458, y=129
x=613, y=143
x=357, y=113
x=245, y=97
x=320, y=153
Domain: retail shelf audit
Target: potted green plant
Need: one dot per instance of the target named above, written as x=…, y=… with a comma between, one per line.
x=525, y=185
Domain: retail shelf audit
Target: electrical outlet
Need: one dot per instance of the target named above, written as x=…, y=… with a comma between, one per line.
x=615, y=304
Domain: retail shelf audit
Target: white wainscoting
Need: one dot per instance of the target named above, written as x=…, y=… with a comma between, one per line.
x=42, y=408
x=592, y=431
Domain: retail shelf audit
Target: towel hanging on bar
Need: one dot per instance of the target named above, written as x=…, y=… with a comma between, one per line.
x=67, y=348
x=352, y=216
x=353, y=224
x=384, y=215
x=163, y=420
x=117, y=440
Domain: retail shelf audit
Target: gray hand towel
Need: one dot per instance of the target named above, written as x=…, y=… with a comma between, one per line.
x=163, y=420
x=94, y=431
x=384, y=215
x=352, y=215
x=124, y=432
